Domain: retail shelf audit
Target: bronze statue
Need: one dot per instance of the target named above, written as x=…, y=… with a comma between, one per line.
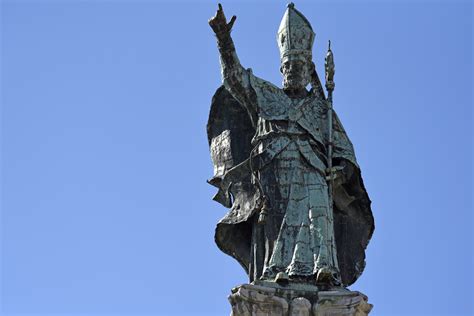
x=285, y=167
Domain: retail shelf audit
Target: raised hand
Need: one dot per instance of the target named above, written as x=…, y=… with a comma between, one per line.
x=219, y=23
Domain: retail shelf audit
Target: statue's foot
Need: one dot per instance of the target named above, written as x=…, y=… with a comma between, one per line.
x=282, y=277
x=324, y=275
x=268, y=274
x=327, y=276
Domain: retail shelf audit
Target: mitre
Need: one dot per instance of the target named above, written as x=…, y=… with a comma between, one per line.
x=295, y=35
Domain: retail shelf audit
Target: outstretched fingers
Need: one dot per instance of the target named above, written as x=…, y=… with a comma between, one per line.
x=231, y=23
x=219, y=22
x=220, y=11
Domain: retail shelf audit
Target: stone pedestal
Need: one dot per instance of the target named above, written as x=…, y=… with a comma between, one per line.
x=271, y=299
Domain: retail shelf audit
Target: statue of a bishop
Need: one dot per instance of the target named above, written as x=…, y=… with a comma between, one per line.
x=269, y=147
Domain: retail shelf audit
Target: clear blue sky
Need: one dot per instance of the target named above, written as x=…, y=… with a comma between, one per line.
x=105, y=208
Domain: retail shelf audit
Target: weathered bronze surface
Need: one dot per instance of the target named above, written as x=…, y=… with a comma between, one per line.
x=285, y=167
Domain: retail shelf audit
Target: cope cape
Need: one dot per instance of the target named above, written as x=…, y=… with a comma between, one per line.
x=230, y=131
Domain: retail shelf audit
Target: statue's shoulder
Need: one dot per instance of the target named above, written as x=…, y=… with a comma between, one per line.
x=272, y=101
x=318, y=107
x=262, y=84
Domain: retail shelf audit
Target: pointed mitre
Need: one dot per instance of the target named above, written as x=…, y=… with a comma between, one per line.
x=295, y=35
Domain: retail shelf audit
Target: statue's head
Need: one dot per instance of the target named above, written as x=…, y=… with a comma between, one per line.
x=296, y=73
x=295, y=40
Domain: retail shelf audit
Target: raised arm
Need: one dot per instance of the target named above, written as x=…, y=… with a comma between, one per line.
x=234, y=76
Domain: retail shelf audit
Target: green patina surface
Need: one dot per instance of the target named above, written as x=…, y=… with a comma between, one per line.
x=286, y=168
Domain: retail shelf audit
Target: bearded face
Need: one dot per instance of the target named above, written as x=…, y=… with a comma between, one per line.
x=296, y=74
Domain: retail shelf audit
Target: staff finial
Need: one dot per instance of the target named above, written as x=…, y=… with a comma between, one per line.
x=330, y=69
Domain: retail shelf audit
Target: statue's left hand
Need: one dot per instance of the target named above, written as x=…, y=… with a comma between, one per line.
x=340, y=173
x=348, y=169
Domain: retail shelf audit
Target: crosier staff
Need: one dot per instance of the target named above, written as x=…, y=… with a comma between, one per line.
x=330, y=70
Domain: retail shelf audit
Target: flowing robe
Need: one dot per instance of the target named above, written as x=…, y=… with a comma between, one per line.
x=287, y=153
